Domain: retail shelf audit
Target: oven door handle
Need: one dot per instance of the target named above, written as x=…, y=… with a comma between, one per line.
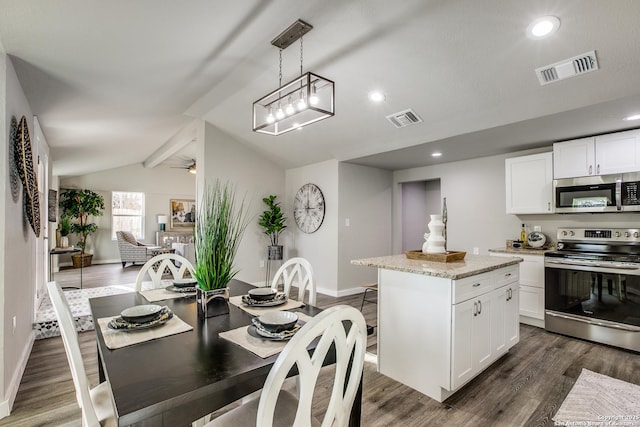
x=604, y=323
x=590, y=266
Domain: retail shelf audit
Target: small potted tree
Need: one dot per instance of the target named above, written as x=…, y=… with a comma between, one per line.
x=80, y=205
x=273, y=222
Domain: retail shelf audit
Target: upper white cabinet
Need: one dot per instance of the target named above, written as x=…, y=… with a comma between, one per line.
x=574, y=158
x=529, y=184
x=618, y=152
x=601, y=155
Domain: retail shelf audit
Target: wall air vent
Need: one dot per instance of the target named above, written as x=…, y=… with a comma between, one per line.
x=568, y=68
x=404, y=118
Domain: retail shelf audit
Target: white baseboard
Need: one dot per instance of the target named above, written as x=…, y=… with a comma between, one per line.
x=342, y=293
x=14, y=384
x=539, y=323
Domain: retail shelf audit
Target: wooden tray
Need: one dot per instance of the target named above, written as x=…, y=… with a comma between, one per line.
x=450, y=256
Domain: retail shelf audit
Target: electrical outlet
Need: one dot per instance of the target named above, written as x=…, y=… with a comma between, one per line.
x=15, y=323
x=347, y=222
x=261, y=263
x=476, y=251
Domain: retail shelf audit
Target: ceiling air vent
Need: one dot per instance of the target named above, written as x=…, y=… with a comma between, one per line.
x=404, y=118
x=568, y=68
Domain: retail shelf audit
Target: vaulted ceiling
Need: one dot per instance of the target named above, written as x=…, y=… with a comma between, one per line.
x=113, y=77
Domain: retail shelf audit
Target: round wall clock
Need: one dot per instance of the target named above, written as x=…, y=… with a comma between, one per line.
x=308, y=208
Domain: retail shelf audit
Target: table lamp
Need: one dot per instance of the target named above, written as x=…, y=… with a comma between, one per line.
x=162, y=220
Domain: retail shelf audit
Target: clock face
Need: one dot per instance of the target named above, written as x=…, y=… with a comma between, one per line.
x=308, y=208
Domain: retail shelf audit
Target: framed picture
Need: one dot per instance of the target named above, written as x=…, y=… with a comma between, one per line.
x=183, y=214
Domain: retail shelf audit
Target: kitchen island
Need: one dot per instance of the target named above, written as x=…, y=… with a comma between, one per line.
x=441, y=324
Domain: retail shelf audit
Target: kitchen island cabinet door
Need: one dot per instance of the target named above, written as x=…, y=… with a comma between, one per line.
x=529, y=184
x=472, y=347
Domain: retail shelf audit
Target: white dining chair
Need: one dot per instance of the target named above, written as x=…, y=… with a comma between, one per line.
x=156, y=267
x=96, y=403
x=298, y=270
x=277, y=407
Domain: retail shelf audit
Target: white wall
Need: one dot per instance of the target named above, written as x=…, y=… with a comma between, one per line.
x=475, y=192
x=365, y=199
x=321, y=247
x=159, y=184
x=17, y=263
x=223, y=157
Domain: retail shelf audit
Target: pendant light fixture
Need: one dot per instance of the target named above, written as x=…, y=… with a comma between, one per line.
x=306, y=99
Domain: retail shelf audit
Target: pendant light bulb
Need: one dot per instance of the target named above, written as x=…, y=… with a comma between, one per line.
x=270, y=118
x=279, y=113
x=313, y=98
x=302, y=104
x=289, y=108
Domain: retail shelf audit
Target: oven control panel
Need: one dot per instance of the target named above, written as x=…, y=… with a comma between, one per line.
x=622, y=235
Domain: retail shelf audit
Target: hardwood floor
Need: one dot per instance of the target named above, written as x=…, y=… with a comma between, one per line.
x=523, y=388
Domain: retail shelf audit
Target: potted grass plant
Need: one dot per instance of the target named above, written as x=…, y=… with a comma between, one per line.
x=65, y=229
x=220, y=225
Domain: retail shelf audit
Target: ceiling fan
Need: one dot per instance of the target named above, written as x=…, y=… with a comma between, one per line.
x=191, y=167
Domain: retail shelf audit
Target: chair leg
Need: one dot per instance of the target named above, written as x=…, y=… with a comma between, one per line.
x=123, y=263
x=364, y=295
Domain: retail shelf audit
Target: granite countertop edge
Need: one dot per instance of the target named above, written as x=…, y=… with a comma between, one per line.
x=522, y=251
x=470, y=266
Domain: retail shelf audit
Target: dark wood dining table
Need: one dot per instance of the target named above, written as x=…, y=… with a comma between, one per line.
x=175, y=380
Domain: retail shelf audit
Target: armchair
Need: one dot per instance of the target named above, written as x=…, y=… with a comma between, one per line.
x=132, y=250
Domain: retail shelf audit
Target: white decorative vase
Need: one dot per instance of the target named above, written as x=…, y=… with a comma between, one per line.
x=435, y=243
x=64, y=242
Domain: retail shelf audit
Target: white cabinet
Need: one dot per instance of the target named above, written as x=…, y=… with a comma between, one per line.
x=436, y=334
x=472, y=347
x=574, y=158
x=618, y=152
x=531, y=289
x=485, y=326
x=601, y=155
x=529, y=184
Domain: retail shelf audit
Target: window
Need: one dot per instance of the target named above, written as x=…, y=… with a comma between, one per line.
x=127, y=213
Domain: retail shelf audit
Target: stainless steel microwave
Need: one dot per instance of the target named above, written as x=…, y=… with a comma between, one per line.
x=603, y=193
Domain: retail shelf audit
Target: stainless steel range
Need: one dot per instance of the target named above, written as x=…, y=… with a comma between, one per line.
x=592, y=286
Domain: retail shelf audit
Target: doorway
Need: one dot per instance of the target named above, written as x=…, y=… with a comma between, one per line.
x=419, y=200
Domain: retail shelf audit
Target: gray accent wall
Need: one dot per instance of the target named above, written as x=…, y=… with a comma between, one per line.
x=18, y=261
x=475, y=192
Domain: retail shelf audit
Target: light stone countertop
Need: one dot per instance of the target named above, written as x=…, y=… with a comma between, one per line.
x=470, y=266
x=522, y=251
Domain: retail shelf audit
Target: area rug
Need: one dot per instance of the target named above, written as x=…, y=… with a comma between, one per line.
x=599, y=400
x=46, y=323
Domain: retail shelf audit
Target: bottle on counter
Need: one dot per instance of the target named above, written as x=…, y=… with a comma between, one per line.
x=523, y=236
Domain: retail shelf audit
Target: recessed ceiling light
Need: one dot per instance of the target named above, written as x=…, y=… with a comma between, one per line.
x=634, y=117
x=436, y=154
x=543, y=27
x=376, y=96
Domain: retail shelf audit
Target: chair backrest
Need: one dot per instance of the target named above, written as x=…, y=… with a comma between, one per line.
x=74, y=356
x=350, y=350
x=296, y=269
x=156, y=266
x=125, y=236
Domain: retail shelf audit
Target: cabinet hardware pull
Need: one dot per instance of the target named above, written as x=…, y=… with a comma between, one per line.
x=507, y=275
x=590, y=169
x=479, y=307
x=549, y=206
x=475, y=309
x=598, y=170
x=476, y=285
